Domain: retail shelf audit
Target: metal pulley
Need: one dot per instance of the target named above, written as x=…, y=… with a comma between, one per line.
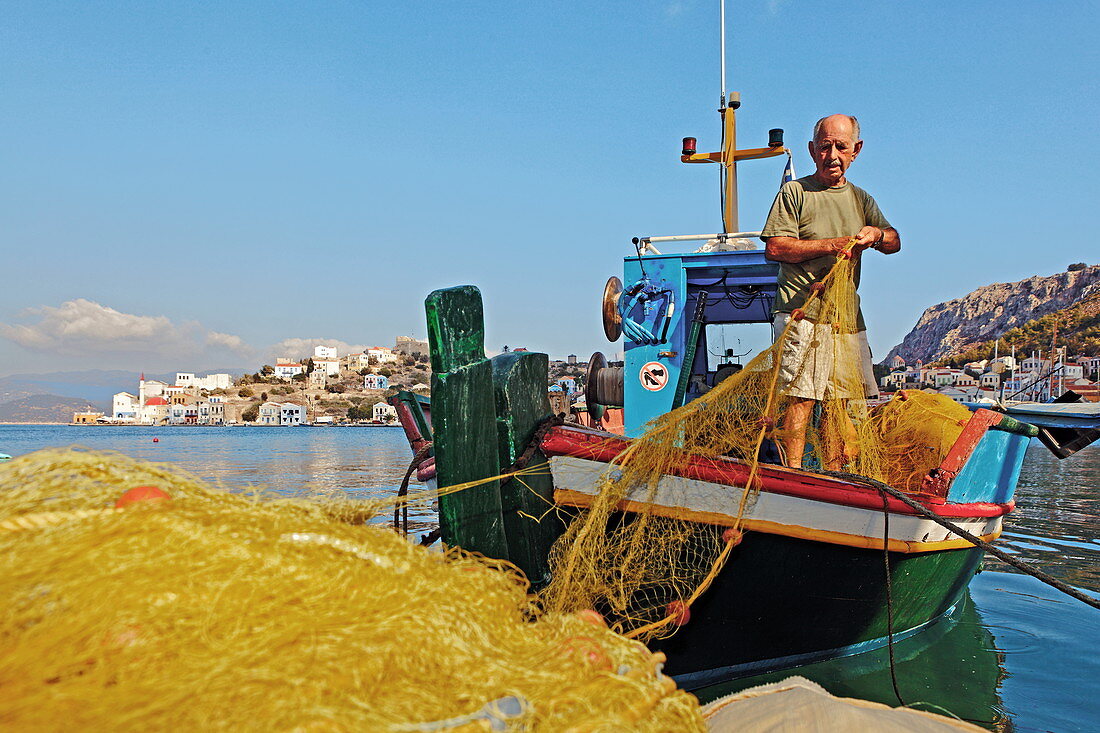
x=612, y=320
x=603, y=385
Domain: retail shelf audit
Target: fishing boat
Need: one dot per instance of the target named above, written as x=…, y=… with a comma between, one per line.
x=823, y=565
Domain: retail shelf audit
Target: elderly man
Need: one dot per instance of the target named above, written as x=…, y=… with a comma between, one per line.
x=812, y=220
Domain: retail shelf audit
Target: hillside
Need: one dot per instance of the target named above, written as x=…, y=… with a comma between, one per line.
x=1077, y=328
x=43, y=408
x=966, y=323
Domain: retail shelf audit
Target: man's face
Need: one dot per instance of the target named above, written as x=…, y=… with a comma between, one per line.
x=834, y=149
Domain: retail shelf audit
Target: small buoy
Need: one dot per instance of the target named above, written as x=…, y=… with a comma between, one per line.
x=733, y=536
x=140, y=494
x=798, y=314
x=156, y=440
x=679, y=611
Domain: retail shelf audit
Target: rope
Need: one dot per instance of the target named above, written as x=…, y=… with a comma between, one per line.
x=889, y=595
x=1053, y=582
x=401, y=511
x=544, y=426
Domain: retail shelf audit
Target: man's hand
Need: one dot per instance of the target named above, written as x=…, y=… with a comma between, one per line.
x=868, y=237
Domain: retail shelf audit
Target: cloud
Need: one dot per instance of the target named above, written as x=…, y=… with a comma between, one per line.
x=99, y=333
x=298, y=348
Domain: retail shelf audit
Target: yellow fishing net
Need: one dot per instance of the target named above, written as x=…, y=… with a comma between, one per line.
x=213, y=609
x=644, y=571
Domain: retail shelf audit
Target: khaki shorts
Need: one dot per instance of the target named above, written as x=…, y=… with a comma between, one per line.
x=807, y=359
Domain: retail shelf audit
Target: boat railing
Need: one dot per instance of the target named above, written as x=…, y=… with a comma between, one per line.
x=645, y=244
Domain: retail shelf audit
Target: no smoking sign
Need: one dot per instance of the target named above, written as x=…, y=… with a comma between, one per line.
x=653, y=376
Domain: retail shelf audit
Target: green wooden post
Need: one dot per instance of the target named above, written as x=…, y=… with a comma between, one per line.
x=464, y=422
x=519, y=382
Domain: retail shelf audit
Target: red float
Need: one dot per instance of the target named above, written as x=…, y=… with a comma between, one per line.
x=141, y=494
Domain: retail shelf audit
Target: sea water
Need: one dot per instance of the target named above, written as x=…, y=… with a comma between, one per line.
x=1015, y=654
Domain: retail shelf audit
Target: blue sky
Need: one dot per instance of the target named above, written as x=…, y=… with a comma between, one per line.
x=201, y=185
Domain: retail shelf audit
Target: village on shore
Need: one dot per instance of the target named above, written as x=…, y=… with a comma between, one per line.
x=323, y=389
x=1037, y=378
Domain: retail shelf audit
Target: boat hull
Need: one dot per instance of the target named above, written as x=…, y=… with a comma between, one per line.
x=781, y=602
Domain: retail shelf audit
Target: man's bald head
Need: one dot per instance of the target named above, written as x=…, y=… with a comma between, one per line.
x=835, y=145
x=837, y=119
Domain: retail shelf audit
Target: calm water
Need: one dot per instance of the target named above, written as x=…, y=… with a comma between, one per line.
x=1018, y=655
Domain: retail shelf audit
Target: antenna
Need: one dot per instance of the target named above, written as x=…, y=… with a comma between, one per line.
x=722, y=49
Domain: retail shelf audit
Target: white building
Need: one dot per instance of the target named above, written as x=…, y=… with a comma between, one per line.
x=383, y=412
x=270, y=413
x=124, y=407
x=991, y=380
x=287, y=370
x=181, y=414
x=381, y=354
x=324, y=352
x=330, y=366
x=1035, y=364
x=292, y=414
x=211, y=411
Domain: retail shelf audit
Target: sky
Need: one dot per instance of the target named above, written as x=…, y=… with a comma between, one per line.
x=205, y=185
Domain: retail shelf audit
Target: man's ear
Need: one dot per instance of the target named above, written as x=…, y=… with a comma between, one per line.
x=810, y=147
x=857, y=148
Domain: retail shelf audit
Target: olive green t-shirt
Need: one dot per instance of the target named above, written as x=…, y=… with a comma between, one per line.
x=808, y=209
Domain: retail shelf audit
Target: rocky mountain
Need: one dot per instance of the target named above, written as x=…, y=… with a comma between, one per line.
x=963, y=323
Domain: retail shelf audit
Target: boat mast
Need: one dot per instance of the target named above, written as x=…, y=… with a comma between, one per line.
x=729, y=155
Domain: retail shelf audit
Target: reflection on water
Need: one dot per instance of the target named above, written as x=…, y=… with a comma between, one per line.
x=954, y=666
x=286, y=460
x=361, y=461
x=1016, y=654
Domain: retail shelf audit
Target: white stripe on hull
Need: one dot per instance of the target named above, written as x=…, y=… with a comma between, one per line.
x=696, y=497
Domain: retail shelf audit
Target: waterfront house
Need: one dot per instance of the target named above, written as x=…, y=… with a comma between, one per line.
x=292, y=414
x=991, y=380
x=270, y=412
x=154, y=411
x=182, y=413
x=124, y=407
x=382, y=412
x=211, y=410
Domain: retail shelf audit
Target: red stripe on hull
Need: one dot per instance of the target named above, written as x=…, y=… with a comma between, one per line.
x=563, y=441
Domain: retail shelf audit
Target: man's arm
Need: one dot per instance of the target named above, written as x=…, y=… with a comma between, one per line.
x=793, y=250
